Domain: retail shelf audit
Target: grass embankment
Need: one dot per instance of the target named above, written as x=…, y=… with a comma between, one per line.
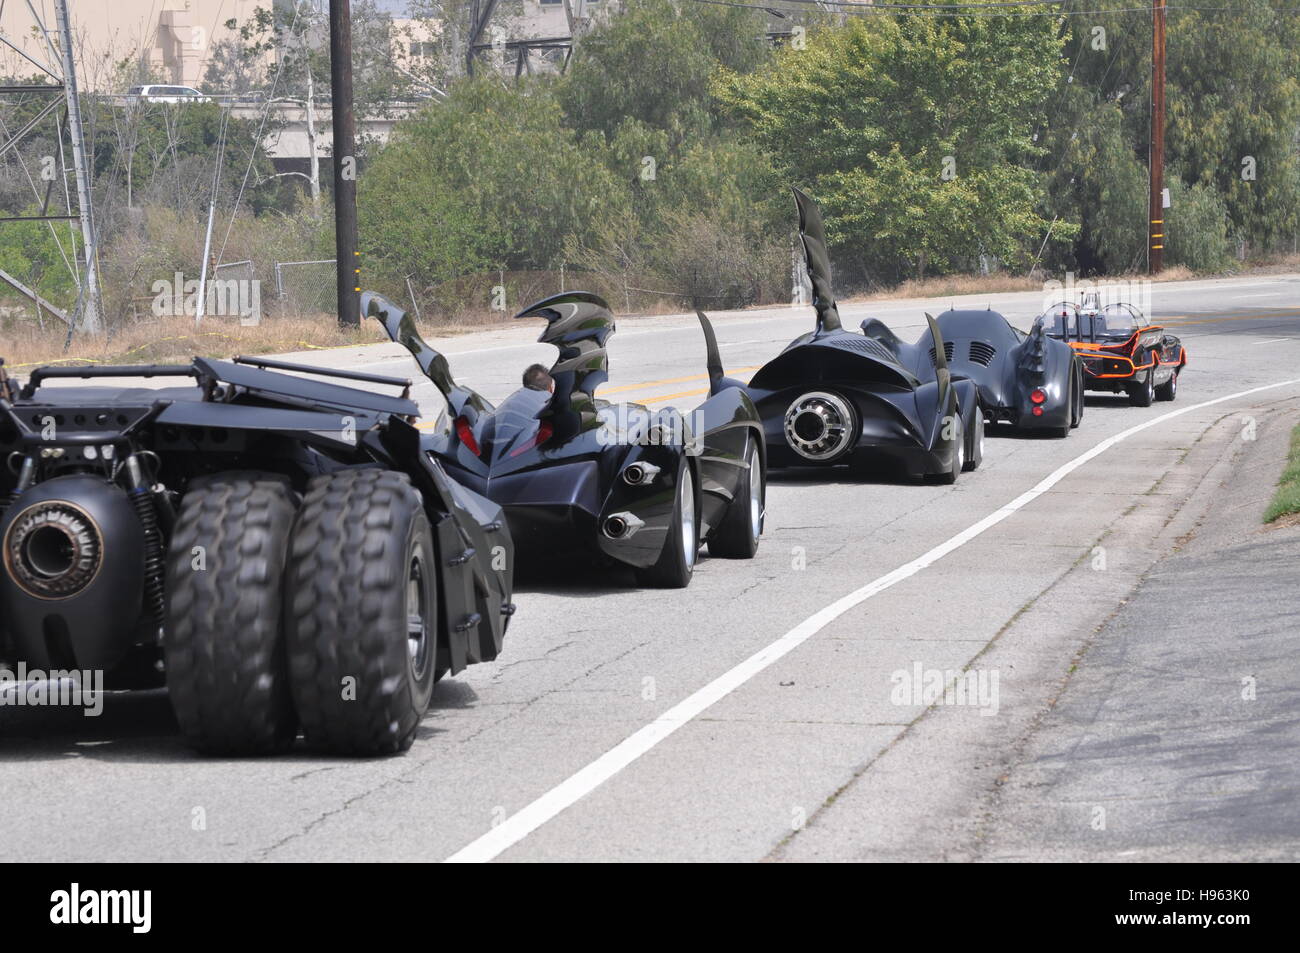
x=1286, y=501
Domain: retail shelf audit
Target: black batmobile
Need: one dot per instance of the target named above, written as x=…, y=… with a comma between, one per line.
x=1030, y=381
x=574, y=473
x=273, y=547
x=835, y=396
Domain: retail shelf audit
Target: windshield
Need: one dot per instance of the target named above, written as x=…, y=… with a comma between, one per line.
x=1114, y=322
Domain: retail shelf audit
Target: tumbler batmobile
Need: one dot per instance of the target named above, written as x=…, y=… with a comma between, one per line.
x=1121, y=351
x=574, y=473
x=835, y=396
x=276, y=548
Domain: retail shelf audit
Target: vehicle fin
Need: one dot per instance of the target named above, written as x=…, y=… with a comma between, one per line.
x=401, y=330
x=578, y=323
x=813, y=235
x=713, y=361
x=940, y=358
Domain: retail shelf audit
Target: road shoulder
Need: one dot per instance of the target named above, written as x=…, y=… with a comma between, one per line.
x=961, y=786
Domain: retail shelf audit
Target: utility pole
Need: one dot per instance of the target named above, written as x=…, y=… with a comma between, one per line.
x=347, y=258
x=90, y=315
x=1156, y=243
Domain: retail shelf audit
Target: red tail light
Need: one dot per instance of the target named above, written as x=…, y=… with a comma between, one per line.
x=1038, y=411
x=466, y=435
x=544, y=431
x=1038, y=396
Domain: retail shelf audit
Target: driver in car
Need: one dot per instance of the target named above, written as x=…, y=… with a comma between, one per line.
x=538, y=377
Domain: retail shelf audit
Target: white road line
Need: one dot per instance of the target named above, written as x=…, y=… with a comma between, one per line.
x=519, y=825
x=1271, y=341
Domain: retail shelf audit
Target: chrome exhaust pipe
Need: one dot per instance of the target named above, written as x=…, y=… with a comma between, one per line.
x=621, y=525
x=635, y=474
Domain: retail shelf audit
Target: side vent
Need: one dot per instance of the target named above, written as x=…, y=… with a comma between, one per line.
x=981, y=353
x=947, y=352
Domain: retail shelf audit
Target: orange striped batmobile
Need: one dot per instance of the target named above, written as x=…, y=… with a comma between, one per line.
x=1122, y=352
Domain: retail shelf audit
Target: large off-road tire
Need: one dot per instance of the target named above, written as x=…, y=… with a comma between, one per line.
x=738, y=534
x=361, y=619
x=1142, y=393
x=1169, y=389
x=676, y=562
x=223, y=645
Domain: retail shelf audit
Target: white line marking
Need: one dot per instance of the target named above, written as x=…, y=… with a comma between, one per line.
x=519, y=825
x=1269, y=341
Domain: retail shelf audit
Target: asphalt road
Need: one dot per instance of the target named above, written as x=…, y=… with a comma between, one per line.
x=759, y=714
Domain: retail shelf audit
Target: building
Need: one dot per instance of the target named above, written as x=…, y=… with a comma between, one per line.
x=172, y=37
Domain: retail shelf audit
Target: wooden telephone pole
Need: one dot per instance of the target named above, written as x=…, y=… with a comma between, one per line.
x=1156, y=242
x=347, y=258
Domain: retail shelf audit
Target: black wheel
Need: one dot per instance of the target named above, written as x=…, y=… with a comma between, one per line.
x=1142, y=393
x=676, y=562
x=737, y=536
x=1169, y=389
x=975, y=443
x=958, y=453
x=223, y=644
x=1076, y=400
x=361, y=612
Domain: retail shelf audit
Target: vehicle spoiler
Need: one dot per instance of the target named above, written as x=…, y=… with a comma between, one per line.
x=401, y=330
x=578, y=323
x=813, y=235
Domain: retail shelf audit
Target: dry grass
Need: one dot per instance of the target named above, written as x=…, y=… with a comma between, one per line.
x=951, y=285
x=175, y=339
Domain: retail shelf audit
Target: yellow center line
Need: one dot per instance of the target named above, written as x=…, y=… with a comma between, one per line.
x=1182, y=320
x=667, y=380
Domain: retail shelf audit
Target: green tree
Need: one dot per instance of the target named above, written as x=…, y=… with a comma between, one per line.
x=915, y=132
x=652, y=63
x=489, y=178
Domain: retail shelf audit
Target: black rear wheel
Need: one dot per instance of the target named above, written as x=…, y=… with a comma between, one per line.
x=1169, y=389
x=738, y=534
x=223, y=644
x=1076, y=402
x=676, y=562
x=958, y=461
x=1142, y=393
x=361, y=612
x=975, y=442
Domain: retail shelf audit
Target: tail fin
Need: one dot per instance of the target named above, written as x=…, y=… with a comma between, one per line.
x=940, y=356
x=813, y=235
x=713, y=359
x=401, y=330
